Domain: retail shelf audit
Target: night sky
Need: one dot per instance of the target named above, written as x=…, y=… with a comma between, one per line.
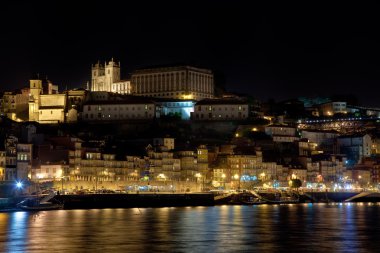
x=267, y=50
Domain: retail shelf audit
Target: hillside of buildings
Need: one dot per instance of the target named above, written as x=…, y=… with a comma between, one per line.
x=169, y=124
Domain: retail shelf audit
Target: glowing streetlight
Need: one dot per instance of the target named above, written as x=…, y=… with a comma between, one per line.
x=19, y=185
x=161, y=176
x=198, y=175
x=224, y=180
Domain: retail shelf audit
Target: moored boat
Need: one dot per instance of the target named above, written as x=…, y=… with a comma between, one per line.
x=38, y=204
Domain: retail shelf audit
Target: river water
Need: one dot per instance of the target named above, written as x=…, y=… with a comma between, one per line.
x=325, y=228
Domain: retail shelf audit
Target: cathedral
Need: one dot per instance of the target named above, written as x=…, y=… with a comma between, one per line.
x=107, y=78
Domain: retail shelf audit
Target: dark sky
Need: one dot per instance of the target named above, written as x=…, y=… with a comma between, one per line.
x=268, y=50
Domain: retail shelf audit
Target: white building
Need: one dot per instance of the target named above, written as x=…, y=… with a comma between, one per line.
x=107, y=78
x=117, y=110
x=50, y=172
x=175, y=107
x=24, y=160
x=181, y=82
x=221, y=109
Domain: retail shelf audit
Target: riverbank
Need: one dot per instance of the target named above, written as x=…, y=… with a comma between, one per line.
x=170, y=199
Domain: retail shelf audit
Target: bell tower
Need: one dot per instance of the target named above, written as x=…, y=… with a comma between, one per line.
x=97, y=74
x=112, y=74
x=35, y=86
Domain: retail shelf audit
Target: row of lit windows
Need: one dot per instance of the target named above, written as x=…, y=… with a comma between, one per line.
x=47, y=170
x=211, y=108
x=22, y=157
x=210, y=116
x=121, y=116
x=138, y=108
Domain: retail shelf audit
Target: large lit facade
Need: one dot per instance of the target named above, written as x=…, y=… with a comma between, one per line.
x=46, y=106
x=181, y=82
x=118, y=110
x=107, y=78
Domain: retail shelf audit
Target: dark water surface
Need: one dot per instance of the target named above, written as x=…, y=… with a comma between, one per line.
x=264, y=228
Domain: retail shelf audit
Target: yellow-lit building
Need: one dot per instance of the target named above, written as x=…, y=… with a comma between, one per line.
x=107, y=78
x=180, y=82
x=48, y=107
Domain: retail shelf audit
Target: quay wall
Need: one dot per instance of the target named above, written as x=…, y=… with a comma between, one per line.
x=89, y=201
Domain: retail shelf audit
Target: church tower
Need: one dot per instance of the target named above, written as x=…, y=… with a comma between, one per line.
x=97, y=77
x=34, y=98
x=112, y=74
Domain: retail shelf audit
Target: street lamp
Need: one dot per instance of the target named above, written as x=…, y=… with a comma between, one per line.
x=262, y=176
x=198, y=175
x=161, y=177
x=19, y=185
x=224, y=181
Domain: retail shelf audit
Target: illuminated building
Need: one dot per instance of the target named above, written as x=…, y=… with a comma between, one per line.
x=163, y=162
x=15, y=104
x=221, y=109
x=175, y=107
x=134, y=108
x=49, y=172
x=47, y=107
x=24, y=160
x=107, y=78
x=181, y=82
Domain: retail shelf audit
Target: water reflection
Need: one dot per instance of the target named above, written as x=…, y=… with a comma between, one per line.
x=268, y=228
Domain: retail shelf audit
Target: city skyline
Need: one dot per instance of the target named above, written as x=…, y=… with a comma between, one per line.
x=257, y=48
